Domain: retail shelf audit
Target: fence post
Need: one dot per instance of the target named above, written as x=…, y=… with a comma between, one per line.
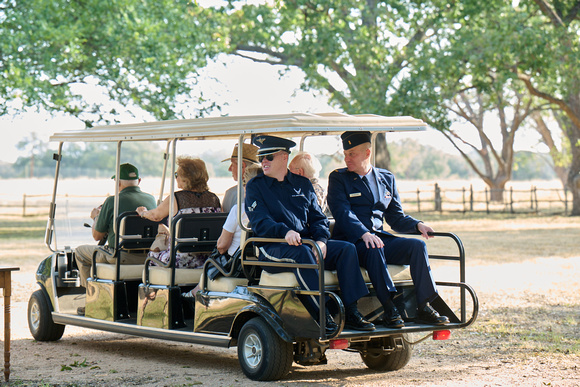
x=23, y=205
x=532, y=198
x=512, y=200
x=471, y=197
x=418, y=200
x=486, y=200
x=463, y=196
x=536, y=198
x=438, y=206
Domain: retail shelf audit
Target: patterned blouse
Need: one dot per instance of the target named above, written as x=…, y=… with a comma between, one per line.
x=189, y=202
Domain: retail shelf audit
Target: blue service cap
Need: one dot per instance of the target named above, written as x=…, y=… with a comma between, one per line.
x=352, y=139
x=270, y=144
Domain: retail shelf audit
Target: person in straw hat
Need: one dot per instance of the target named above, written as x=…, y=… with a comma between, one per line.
x=249, y=158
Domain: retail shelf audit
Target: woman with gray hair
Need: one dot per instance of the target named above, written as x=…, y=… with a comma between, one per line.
x=305, y=164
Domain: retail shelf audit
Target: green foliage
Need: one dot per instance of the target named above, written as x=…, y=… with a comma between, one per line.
x=143, y=53
x=408, y=57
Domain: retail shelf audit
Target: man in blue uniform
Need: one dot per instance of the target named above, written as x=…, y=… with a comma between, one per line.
x=281, y=204
x=360, y=198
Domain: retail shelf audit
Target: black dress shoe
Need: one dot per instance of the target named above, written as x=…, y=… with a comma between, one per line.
x=81, y=310
x=392, y=318
x=355, y=320
x=428, y=315
x=331, y=326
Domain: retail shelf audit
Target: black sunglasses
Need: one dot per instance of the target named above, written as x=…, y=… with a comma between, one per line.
x=267, y=157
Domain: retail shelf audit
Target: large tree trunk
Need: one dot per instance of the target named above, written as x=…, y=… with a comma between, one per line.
x=497, y=188
x=382, y=154
x=573, y=132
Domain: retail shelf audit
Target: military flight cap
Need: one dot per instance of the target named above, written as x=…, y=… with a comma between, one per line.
x=352, y=139
x=270, y=144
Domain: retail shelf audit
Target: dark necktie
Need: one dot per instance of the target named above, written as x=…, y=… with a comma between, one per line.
x=368, y=185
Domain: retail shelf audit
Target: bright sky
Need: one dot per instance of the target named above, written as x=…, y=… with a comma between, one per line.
x=247, y=87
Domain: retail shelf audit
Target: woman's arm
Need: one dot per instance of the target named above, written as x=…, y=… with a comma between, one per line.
x=156, y=214
x=225, y=241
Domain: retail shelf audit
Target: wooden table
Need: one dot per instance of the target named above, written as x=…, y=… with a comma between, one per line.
x=6, y=284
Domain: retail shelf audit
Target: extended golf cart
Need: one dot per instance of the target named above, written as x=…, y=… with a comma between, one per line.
x=244, y=306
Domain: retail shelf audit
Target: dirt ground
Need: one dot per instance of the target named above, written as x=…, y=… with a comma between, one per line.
x=527, y=333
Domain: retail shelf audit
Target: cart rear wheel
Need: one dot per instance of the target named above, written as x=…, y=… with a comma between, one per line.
x=262, y=354
x=40, y=321
x=387, y=360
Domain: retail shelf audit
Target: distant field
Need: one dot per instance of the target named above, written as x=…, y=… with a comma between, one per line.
x=39, y=191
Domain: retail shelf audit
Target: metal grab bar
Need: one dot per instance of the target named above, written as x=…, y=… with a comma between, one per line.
x=318, y=266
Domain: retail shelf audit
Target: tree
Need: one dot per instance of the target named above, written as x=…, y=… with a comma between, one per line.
x=355, y=51
x=534, y=42
x=144, y=53
x=497, y=164
x=552, y=29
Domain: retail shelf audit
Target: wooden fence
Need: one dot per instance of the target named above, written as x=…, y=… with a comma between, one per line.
x=534, y=200
x=466, y=199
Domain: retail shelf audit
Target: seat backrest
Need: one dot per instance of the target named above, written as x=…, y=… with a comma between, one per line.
x=198, y=231
x=135, y=232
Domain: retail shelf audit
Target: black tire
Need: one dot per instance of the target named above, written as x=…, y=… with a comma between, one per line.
x=389, y=361
x=262, y=354
x=40, y=321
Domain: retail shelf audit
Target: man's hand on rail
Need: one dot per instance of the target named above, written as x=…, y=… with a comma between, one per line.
x=425, y=230
x=293, y=238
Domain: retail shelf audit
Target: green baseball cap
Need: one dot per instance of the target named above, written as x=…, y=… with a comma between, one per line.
x=127, y=172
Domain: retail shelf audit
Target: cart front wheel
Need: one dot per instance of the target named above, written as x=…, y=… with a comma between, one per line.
x=40, y=321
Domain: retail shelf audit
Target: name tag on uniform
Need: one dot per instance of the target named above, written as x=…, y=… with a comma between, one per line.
x=355, y=195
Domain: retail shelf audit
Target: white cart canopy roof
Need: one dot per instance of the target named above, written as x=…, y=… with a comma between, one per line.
x=287, y=125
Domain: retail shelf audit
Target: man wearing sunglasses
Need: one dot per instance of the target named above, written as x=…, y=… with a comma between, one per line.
x=281, y=204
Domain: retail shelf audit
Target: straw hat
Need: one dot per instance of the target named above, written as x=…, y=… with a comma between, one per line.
x=249, y=153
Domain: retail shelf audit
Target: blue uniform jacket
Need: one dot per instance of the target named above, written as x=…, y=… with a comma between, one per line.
x=274, y=208
x=355, y=210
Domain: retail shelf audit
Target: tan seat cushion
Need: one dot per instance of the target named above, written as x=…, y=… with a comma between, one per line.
x=288, y=279
x=126, y=272
x=162, y=276
x=225, y=284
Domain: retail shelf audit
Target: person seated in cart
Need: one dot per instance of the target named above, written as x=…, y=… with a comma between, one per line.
x=249, y=159
x=130, y=197
x=194, y=196
x=280, y=204
x=360, y=198
x=305, y=164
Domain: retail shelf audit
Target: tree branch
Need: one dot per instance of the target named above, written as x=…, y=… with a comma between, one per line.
x=549, y=12
x=556, y=101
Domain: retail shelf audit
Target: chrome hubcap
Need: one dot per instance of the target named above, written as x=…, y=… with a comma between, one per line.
x=253, y=351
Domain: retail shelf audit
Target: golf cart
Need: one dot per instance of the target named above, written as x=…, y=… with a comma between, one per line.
x=243, y=306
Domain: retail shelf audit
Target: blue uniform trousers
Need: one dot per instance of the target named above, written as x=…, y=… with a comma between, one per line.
x=340, y=256
x=398, y=251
